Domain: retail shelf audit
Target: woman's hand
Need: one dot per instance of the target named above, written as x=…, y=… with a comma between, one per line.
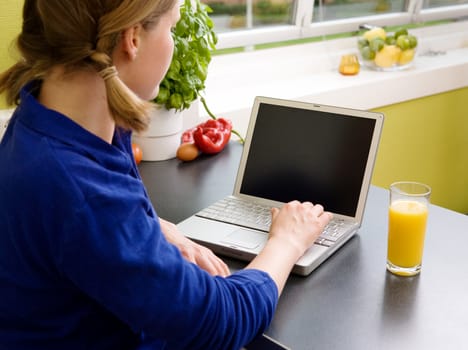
x=294, y=228
x=298, y=224
x=193, y=252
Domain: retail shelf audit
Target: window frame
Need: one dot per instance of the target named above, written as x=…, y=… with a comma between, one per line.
x=303, y=27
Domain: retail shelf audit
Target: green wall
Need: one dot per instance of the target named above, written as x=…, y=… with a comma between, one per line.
x=10, y=22
x=426, y=140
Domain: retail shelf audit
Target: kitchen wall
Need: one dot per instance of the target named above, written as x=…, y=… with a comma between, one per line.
x=426, y=140
x=10, y=21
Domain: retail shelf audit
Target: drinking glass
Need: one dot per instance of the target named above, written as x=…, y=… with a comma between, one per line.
x=407, y=217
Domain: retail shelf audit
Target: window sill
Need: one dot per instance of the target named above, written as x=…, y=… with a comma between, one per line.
x=309, y=72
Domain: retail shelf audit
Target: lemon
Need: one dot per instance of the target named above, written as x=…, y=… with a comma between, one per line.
x=373, y=33
x=406, y=57
x=388, y=56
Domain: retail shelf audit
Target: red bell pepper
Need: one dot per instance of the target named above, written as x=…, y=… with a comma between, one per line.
x=212, y=136
x=187, y=136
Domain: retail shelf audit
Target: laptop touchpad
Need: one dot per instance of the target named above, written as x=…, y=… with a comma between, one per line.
x=245, y=238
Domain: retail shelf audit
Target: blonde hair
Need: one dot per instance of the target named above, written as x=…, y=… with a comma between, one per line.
x=82, y=34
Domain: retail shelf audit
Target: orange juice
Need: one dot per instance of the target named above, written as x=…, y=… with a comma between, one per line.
x=407, y=227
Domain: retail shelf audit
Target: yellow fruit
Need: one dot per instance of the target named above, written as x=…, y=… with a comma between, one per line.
x=388, y=56
x=406, y=57
x=375, y=33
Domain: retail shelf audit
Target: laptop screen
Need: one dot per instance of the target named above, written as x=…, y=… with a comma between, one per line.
x=317, y=156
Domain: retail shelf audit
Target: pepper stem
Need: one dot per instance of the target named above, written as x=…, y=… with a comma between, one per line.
x=241, y=139
x=212, y=116
x=202, y=99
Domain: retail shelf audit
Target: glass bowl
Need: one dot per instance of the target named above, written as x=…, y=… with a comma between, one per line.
x=388, y=52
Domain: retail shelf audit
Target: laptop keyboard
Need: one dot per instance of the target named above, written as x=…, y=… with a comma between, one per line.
x=251, y=215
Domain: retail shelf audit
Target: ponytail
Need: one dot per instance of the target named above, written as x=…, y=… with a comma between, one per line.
x=128, y=110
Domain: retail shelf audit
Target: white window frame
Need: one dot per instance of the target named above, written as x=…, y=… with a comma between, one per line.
x=304, y=28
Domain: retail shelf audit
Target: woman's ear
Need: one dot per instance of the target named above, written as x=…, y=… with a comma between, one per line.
x=130, y=41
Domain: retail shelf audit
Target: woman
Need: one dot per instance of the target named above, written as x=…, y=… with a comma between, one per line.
x=85, y=262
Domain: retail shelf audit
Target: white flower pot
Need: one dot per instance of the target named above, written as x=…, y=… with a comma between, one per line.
x=162, y=138
x=164, y=122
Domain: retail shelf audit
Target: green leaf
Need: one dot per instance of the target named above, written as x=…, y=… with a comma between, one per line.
x=176, y=101
x=163, y=95
x=193, y=37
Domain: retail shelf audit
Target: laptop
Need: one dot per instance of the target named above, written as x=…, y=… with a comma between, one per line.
x=294, y=151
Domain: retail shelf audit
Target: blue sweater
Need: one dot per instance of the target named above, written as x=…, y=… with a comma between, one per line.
x=83, y=261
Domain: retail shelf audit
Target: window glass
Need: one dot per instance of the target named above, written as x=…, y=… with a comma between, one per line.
x=339, y=9
x=230, y=15
x=244, y=23
x=439, y=3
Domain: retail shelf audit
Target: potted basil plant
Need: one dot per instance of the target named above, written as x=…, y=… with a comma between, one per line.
x=194, y=38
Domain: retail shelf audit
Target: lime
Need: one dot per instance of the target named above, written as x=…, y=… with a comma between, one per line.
x=403, y=42
x=362, y=43
x=400, y=31
x=390, y=40
x=367, y=53
x=376, y=44
x=413, y=41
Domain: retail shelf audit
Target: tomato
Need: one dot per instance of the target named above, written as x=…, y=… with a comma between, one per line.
x=137, y=153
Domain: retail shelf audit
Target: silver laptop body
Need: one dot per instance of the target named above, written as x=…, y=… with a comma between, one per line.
x=295, y=151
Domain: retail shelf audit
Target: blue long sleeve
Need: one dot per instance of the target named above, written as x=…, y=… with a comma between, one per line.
x=83, y=261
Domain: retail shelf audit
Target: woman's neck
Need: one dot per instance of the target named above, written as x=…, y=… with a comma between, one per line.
x=81, y=96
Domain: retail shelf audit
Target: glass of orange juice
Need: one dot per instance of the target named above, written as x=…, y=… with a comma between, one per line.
x=407, y=217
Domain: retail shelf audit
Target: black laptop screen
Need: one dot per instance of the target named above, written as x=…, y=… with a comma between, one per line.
x=308, y=155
